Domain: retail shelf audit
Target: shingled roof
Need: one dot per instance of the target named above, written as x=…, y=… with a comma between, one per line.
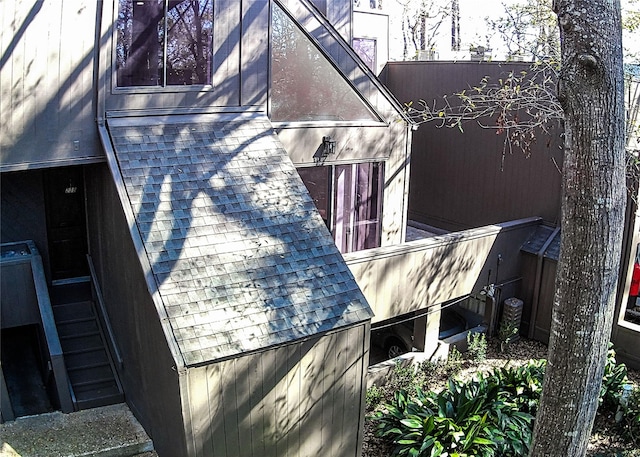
x=239, y=255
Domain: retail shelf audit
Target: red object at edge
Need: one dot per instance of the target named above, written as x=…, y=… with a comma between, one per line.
x=635, y=281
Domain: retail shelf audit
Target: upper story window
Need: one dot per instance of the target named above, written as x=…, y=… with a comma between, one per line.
x=164, y=42
x=305, y=85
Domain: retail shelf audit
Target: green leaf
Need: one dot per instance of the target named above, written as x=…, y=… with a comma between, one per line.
x=411, y=423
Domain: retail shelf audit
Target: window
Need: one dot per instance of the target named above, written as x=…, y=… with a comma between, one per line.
x=349, y=199
x=366, y=49
x=164, y=42
x=305, y=86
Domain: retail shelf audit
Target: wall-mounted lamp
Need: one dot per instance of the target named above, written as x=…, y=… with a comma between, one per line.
x=328, y=146
x=71, y=188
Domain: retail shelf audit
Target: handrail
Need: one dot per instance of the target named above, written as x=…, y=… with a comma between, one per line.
x=50, y=332
x=104, y=317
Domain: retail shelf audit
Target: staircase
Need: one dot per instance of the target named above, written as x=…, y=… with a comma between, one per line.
x=92, y=376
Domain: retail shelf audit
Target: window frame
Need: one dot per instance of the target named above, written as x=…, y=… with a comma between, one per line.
x=167, y=88
x=319, y=123
x=346, y=242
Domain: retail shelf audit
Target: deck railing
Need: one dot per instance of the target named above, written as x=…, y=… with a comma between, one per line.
x=418, y=274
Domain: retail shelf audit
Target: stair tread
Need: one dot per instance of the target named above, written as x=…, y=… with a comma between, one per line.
x=83, y=350
x=76, y=320
x=94, y=382
x=79, y=335
x=73, y=367
x=73, y=311
x=91, y=373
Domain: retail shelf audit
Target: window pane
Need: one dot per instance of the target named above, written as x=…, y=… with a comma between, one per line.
x=367, y=207
x=342, y=220
x=143, y=57
x=304, y=84
x=366, y=49
x=316, y=179
x=139, y=57
x=189, y=35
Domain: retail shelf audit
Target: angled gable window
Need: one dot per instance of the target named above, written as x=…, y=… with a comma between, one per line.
x=305, y=86
x=164, y=42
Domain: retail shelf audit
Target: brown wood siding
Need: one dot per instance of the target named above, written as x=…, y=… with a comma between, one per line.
x=439, y=269
x=546, y=290
x=462, y=180
x=18, y=299
x=148, y=374
x=255, y=58
x=388, y=144
x=239, y=43
x=46, y=81
x=22, y=211
x=302, y=399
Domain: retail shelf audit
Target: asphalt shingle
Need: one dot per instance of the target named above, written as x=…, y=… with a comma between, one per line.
x=241, y=258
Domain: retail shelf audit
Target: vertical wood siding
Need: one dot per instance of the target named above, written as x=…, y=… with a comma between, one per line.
x=255, y=58
x=46, y=82
x=22, y=215
x=439, y=269
x=461, y=180
x=148, y=374
x=298, y=400
x=240, y=31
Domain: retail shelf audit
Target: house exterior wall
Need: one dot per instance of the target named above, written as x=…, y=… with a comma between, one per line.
x=536, y=314
x=384, y=143
x=57, y=63
x=148, y=374
x=240, y=65
x=22, y=210
x=463, y=180
x=298, y=400
x=439, y=269
x=372, y=24
x=47, y=82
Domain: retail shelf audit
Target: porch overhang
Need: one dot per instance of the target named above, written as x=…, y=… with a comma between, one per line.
x=236, y=256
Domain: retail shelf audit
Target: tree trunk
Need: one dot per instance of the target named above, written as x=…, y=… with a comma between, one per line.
x=593, y=203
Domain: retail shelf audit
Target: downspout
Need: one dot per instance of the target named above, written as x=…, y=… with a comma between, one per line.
x=538, y=281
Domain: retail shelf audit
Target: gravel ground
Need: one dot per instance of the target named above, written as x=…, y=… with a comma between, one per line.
x=605, y=440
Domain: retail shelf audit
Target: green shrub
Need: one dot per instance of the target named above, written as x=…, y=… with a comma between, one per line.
x=453, y=365
x=506, y=332
x=429, y=424
x=470, y=418
x=490, y=415
x=403, y=377
x=522, y=384
x=615, y=376
x=631, y=416
x=477, y=346
x=373, y=397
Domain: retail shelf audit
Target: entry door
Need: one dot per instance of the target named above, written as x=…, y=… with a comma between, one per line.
x=357, y=206
x=66, y=222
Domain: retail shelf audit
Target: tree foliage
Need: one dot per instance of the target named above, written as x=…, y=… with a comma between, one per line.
x=528, y=30
x=421, y=22
x=521, y=106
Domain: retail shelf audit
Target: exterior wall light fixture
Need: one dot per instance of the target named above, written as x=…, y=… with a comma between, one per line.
x=328, y=146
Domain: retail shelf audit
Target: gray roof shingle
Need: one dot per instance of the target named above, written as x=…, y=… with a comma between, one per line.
x=240, y=256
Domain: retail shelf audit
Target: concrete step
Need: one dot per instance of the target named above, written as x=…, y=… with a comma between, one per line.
x=110, y=431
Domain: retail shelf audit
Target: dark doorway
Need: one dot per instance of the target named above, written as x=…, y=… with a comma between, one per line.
x=66, y=222
x=22, y=369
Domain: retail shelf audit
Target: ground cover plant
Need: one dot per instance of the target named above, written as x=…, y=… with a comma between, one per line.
x=472, y=406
